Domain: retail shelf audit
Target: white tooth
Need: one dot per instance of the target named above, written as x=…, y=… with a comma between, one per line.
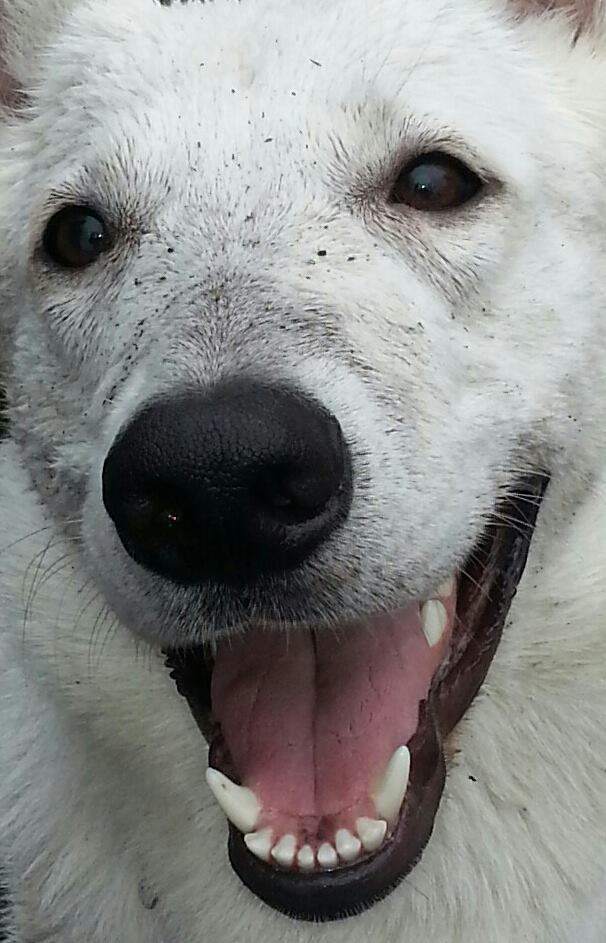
x=240, y=805
x=372, y=833
x=327, y=857
x=447, y=589
x=434, y=620
x=348, y=846
x=306, y=858
x=284, y=852
x=390, y=794
x=260, y=843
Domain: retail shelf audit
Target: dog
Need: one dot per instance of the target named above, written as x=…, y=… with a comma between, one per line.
x=303, y=319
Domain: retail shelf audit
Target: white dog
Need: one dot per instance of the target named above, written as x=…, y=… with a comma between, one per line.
x=304, y=307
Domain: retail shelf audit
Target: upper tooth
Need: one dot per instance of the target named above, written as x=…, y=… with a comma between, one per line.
x=390, y=794
x=447, y=588
x=260, y=843
x=284, y=851
x=327, y=856
x=240, y=805
x=306, y=858
x=434, y=620
x=348, y=846
x=372, y=833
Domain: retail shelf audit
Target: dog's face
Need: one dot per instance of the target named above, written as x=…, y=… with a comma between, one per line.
x=296, y=303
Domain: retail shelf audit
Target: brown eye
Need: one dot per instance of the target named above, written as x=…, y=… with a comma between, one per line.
x=435, y=182
x=75, y=237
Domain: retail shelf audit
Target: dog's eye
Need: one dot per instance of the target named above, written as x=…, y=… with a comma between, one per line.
x=435, y=182
x=75, y=237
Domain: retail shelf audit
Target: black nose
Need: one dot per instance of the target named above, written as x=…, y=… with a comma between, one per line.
x=228, y=486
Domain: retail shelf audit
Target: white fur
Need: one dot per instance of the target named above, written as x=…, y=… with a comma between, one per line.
x=454, y=355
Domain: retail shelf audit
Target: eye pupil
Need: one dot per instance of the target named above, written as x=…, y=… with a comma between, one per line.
x=435, y=182
x=75, y=237
x=426, y=178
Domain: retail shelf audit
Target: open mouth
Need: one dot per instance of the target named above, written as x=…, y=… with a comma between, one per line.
x=327, y=748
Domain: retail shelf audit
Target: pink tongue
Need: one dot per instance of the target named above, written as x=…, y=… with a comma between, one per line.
x=311, y=720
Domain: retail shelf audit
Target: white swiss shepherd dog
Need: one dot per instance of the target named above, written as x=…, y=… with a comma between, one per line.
x=303, y=309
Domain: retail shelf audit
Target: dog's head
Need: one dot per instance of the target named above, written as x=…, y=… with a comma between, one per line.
x=301, y=315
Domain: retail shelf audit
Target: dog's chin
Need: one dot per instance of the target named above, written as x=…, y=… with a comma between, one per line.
x=327, y=748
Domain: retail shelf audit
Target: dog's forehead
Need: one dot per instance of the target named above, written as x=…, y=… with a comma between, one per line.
x=239, y=73
x=327, y=50
x=330, y=52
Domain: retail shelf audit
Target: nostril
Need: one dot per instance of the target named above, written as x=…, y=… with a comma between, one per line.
x=292, y=495
x=155, y=518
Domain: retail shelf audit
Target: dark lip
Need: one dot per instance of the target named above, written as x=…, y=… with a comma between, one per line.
x=487, y=587
x=345, y=892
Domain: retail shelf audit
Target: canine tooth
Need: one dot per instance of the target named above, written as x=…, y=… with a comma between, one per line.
x=434, y=620
x=284, y=852
x=390, y=794
x=372, y=833
x=259, y=843
x=348, y=846
x=239, y=804
x=306, y=858
x=447, y=588
x=327, y=856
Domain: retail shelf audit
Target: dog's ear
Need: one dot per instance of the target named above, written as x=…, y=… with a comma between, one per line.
x=25, y=28
x=583, y=14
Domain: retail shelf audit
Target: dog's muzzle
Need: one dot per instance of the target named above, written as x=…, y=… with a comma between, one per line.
x=327, y=749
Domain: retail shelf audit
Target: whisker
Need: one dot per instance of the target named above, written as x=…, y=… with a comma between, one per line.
x=105, y=614
x=506, y=520
x=109, y=633
x=96, y=595
x=479, y=586
x=101, y=615
x=58, y=566
x=39, y=557
x=15, y=543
